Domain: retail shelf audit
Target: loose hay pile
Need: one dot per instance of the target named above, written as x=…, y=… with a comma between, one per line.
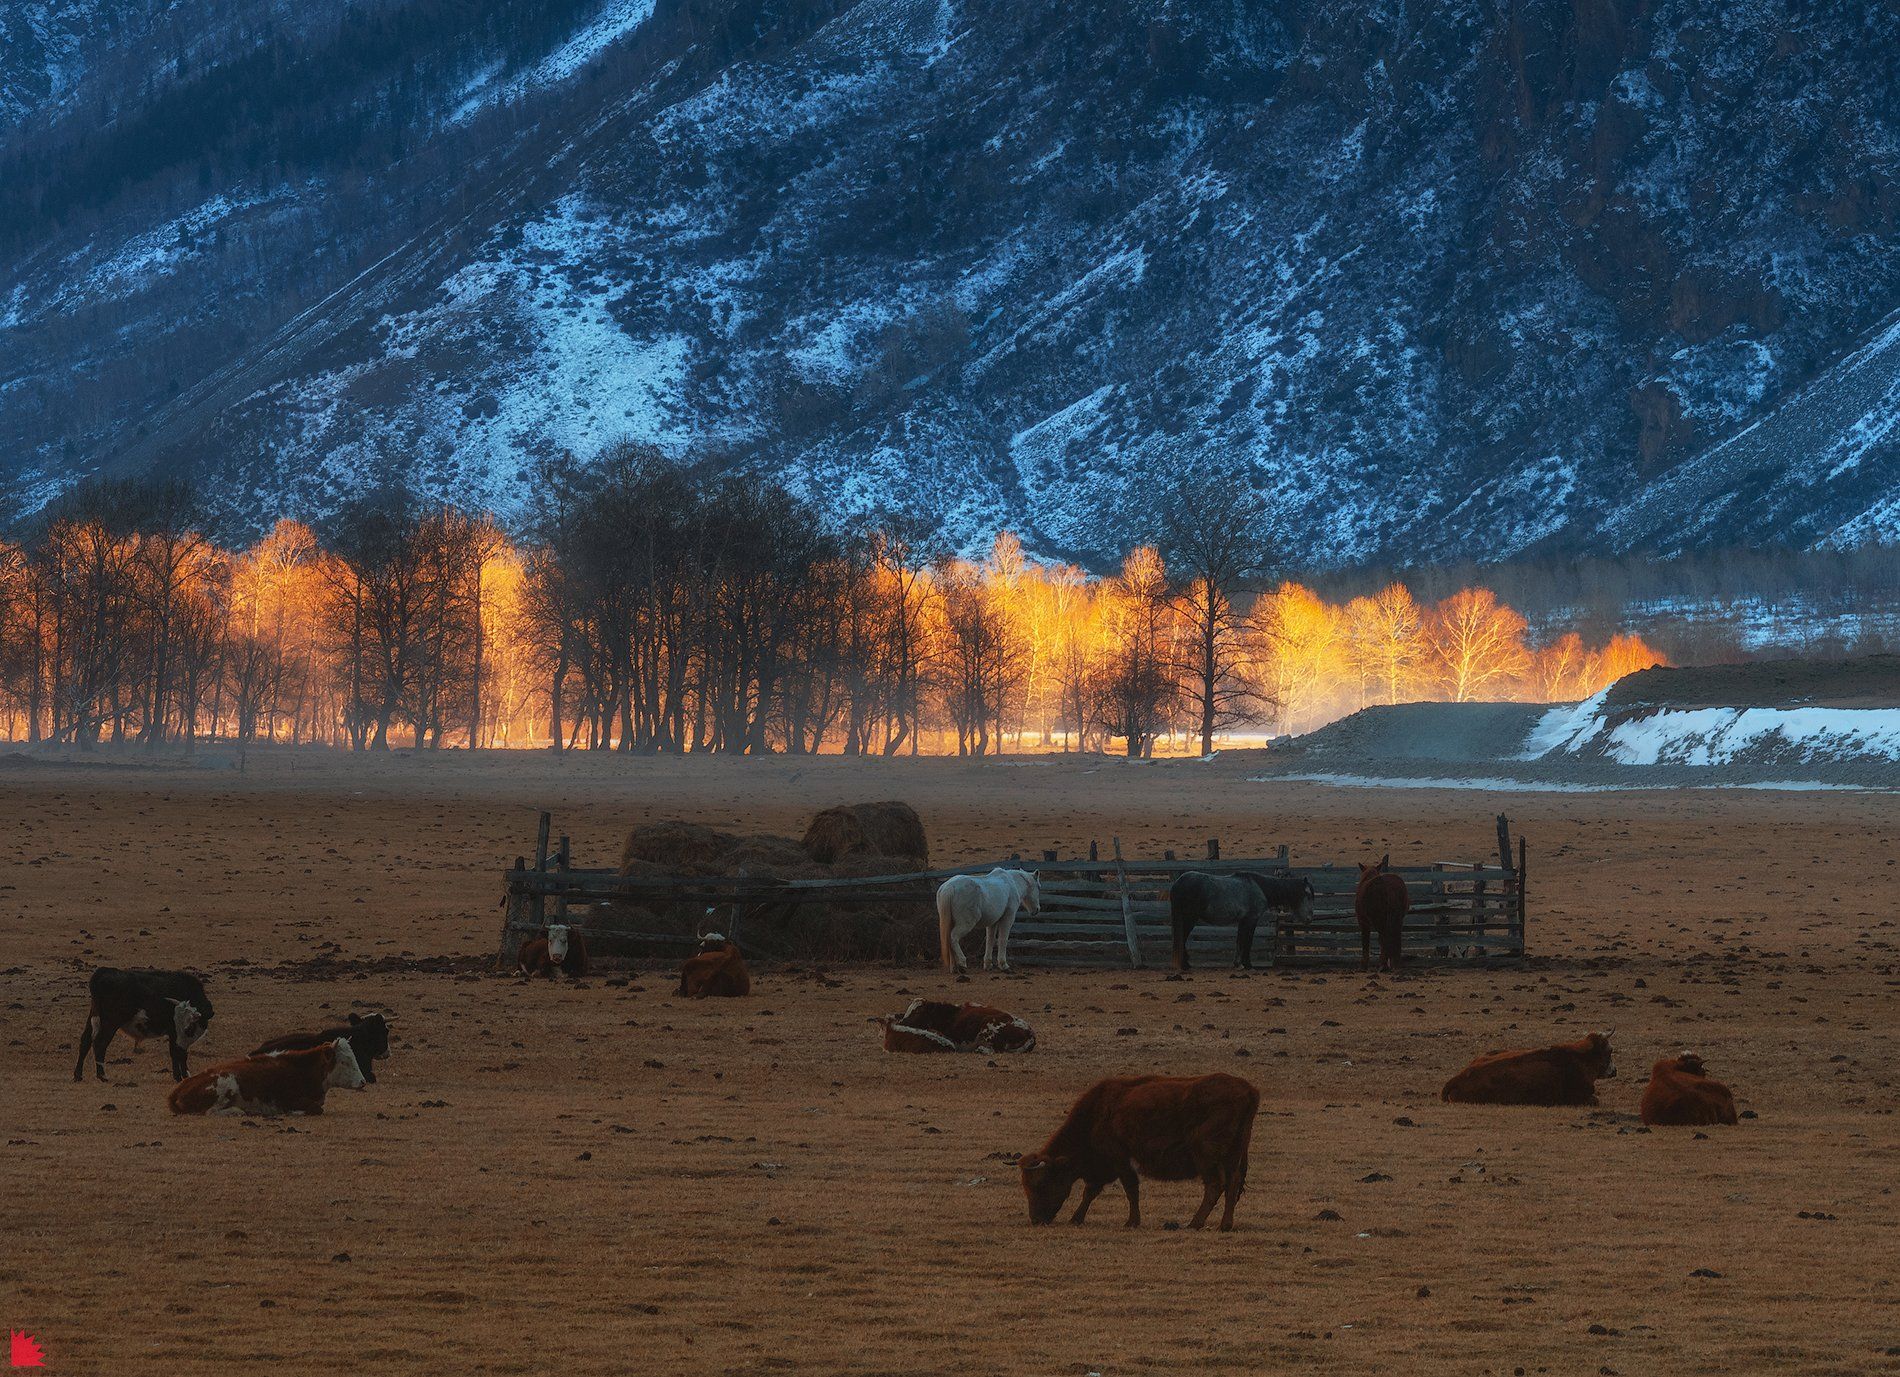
x=845, y=842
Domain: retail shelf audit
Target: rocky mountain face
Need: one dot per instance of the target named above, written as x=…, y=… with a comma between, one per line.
x=1443, y=280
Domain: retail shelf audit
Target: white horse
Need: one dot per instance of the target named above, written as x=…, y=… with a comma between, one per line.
x=990, y=902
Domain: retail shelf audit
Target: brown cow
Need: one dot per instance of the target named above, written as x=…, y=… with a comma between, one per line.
x=933, y=1025
x=560, y=948
x=281, y=1083
x=717, y=972
x=1682, y=1094
x=1564, y=1074
x=1167, y=1128
x=1381, y=902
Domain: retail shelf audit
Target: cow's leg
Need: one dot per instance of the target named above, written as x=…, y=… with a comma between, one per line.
x=99, y=1041
x=178, y=1059
x=1090, y=1189
x=1210, y=1192
x=85, y=1045
x=1131, y=1186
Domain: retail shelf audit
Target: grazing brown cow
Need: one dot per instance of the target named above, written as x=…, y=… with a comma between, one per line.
x=1564, y=1074
x=1381, y=902
x=1167, y=1128
x=934, y=1025
x=281, y=1083
x=1681, y=1094
x=717, y=972
x=561, y=948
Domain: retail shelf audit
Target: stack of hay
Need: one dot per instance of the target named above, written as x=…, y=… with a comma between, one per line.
x=847, y=841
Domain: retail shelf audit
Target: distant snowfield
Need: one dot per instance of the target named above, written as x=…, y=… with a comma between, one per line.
x=1717, y=736
x=1533, y=786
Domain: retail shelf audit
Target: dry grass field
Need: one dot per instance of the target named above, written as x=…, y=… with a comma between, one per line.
x=590, y=1179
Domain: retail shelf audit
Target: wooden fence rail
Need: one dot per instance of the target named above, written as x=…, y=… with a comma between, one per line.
x=1094, y=912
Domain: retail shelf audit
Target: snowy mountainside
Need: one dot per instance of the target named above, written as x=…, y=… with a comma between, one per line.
x=1446, y=280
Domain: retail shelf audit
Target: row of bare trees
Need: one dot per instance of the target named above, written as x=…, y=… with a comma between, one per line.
x=650, y=606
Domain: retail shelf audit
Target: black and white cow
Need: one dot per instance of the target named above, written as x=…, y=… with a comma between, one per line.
x=368, y=1037
x=143, y=1004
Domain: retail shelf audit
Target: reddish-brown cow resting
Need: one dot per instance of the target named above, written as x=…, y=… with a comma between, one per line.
x=1167, y=1128
x=1681, y=1093
x=1564, y=1074
x=1380, y=903
x=716, y=973
x=281, y=1083
x=934, y=1025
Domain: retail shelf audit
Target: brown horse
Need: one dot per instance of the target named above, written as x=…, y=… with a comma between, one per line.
x=1380, y=902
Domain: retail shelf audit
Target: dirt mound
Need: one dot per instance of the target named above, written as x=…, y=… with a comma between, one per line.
x=1378, y=737
x=890, y=828
x=1871, y=681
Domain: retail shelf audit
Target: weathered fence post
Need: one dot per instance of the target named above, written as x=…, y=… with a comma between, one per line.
x=1213, y=848
x=1094, y=853
x=1521, y=857
x=1128, y=913
x=562, y=857
x=539, y=910
x=513, y=911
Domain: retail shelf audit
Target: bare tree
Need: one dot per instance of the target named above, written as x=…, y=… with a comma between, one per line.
x=1213, y=534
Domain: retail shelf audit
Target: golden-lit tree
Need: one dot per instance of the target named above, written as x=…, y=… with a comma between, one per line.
x=1477, y=645
x=1385, y=640
x=1300, y=653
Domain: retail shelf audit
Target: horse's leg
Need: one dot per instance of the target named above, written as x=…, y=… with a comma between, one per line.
x=989, y=944
x=1002, y=939
x=1183, y=925
x=1243, y=943
x=1365, y=945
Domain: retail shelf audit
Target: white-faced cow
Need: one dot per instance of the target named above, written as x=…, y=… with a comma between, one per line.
x=560, y=948
x=143, y=1004
x=368, y=1038
x=282, y=1083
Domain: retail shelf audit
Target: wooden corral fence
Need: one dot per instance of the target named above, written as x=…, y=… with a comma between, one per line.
x=1095, y=912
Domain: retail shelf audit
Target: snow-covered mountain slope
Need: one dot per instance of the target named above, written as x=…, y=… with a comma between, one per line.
x=1443, y=280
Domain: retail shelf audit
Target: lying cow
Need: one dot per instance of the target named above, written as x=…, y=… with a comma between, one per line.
x=717, y=972
x=1682, y=1094
x=368, y=1039
x=1167, y=1128
x=561, y=948
x=1562, y=1075
x=1239, y=901
x=283, y=1083
x=934, y=1025
x=143, y=1004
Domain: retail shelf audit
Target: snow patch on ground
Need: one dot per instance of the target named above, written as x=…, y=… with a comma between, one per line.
x=1717, y=736
x=615, y=22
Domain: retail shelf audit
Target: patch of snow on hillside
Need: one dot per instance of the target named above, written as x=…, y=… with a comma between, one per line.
x=615, y=22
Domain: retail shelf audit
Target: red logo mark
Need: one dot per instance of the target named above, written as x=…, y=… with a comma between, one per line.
x=23, y=1350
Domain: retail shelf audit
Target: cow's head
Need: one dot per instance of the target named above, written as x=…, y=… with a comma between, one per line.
x=369, y=1036
x=1691, y=1063
x=712, y=941
x=189, y=1022
x=345, y=1074
x=1597, y=1054
x=1047, y=1182
x=557, y=942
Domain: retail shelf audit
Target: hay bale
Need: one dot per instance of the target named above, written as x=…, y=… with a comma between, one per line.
x=889, y=828
x=769, y=857
x=676, y=848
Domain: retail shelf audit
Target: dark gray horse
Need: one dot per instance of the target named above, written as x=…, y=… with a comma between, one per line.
x=1242, y=899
